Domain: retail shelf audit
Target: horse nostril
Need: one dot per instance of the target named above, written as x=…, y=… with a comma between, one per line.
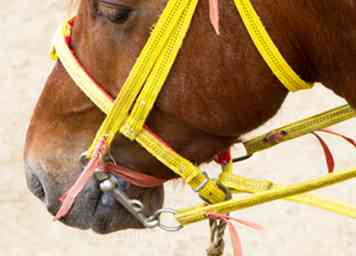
x=36, y=187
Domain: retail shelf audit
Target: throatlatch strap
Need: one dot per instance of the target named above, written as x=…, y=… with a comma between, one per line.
x=269, y=51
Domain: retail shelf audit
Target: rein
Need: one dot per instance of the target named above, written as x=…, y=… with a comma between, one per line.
x=127, y=115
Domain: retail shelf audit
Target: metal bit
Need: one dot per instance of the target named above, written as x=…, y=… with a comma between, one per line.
x=135, y=207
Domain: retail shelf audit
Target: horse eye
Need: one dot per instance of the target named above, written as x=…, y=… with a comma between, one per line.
x=114, y=13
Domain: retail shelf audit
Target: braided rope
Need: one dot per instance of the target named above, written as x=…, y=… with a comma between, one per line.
x=217, y=233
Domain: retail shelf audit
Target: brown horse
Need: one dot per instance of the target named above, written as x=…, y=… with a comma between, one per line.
x=219, y=89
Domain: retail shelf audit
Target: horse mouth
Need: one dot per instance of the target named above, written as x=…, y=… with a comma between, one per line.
x=110, y=216
x=102, y=213
x=93, y=209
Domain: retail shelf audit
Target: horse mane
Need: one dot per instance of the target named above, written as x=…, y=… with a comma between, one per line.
x=73, y=5
x=73, y=2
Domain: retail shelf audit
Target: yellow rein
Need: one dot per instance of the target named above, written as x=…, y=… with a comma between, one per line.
x=187, y=216
x=127, y=115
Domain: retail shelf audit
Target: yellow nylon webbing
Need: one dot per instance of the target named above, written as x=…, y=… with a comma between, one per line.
x=268, y=49
x=147, y=77
x=302, y=127
x=181, y=166
x=184, y=168
x=195, y=214
x=60, y=49
x=158, y=76
x=238, y=184
x=141, y=70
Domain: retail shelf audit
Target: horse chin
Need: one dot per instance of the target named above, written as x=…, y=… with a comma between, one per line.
x=111, y=217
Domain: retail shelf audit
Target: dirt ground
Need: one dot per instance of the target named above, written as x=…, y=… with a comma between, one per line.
x=27, y=230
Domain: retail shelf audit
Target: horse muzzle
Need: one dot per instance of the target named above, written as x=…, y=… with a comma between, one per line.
x=98, y=208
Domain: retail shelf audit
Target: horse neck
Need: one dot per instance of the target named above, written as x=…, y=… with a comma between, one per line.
x=326, y=31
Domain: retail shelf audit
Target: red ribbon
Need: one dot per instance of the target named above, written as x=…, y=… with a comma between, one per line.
x=138, y=179
x=223, y=158
x=349, y=140
x=327, y=152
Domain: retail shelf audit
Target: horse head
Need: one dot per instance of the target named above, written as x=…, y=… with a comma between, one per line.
x=218, y=89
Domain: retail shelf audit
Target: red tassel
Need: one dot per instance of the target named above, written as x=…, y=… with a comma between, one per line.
x=328, y=155
x=224, y=157
x=349, y=140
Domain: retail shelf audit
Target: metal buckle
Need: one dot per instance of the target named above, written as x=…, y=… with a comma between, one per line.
x=228, y=194
x=226, y=191
x=203, y=184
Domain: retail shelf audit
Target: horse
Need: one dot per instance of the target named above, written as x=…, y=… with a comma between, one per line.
x=218, y=90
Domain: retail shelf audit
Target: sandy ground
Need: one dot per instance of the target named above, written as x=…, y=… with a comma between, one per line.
x=26, y=229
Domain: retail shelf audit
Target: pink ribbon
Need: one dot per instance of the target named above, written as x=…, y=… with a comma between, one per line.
x=94, y=165
x=235, y=238
x=214, y=15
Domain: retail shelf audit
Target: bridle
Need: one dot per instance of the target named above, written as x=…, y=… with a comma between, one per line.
x=139, y=93
x=127, y=114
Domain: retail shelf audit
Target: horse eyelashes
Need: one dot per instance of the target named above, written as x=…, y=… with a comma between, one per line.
x=114, y=13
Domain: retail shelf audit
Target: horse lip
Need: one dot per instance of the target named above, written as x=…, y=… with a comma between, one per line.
x=109, y=220
x=110, y=216
x=106, y=224
x=153, y=199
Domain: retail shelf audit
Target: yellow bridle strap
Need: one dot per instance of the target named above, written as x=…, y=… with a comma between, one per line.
x=302, y=127
x=268, y=49
x=191, y=174
x=195, y=214
x=158, y=76
x=239, y=184
x=60, y=49
x=148, y=58
x=140, y=91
